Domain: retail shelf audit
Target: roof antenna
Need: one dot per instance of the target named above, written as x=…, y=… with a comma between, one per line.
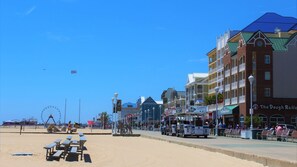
x=277, y=31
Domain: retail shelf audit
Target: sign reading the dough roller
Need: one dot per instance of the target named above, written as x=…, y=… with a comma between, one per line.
x=274, y=107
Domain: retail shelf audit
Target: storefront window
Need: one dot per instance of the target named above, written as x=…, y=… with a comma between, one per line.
x=275, y=119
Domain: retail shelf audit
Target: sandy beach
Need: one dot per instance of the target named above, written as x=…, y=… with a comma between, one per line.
x=108, y=151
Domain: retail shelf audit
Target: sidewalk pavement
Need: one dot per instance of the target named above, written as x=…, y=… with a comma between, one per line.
x=268, y=153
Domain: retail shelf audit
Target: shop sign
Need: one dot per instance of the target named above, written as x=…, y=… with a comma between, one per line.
x=274, y=107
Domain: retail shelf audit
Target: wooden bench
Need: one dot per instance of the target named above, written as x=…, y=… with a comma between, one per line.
x=228, y=132
x=82, y=141
x=270, y=134
x=58, y=154
x=285, y=135
x=294, y=135
x=49, y=149
x=73, y=150
x=263, y=135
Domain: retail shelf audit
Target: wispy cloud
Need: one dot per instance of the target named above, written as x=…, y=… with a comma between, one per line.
x=59, y=38
x=202, y=60
x=30, y=10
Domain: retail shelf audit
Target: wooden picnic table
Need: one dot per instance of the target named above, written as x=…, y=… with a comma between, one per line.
x=49, y=149
x=69, y=137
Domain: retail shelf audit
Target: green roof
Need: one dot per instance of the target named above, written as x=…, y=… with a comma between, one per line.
x=226, y=110
x=278, y=44
x=246, y=36
x=291, y=37
x=233, y=47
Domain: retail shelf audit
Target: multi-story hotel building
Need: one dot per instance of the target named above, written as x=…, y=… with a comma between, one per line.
x=216, y=68
x=196, y=89
x=266, y=49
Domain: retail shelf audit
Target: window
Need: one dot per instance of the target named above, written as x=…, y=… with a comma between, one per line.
x=277, y=119
x=267, y=59
x=294, y=119
x=263, y=117
x=267, y=75
x=259, y=43
x=266, y=92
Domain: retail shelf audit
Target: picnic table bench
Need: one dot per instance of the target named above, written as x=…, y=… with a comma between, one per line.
x=58, y=142
x=80, y=148
x=49, y=149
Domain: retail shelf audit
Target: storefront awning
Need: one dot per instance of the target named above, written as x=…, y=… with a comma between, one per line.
x=227, y=110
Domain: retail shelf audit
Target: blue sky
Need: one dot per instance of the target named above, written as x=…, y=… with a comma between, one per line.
x=133, y=47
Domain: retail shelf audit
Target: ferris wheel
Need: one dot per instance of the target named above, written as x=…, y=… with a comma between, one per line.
x=51, y=114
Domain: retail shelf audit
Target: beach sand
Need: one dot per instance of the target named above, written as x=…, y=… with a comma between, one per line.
x=108, y=151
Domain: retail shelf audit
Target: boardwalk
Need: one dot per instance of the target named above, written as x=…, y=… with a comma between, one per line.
x=271, y=153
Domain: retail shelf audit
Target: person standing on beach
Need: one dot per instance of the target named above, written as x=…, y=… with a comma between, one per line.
x=69, y=127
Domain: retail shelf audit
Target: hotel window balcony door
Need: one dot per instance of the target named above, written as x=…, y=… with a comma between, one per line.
x=267, y=59
x=267, y=75
x=267, y=92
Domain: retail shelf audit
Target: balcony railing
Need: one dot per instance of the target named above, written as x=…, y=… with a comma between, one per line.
x=234, y=100
x=227, y=87
x=212, y=70
x=212, y=107
x=234, y=70
x=212, y=80
x=242, y=83
x=227, y=101
x=210, y=91
x=242, y=99
x=242, y=67
x=227, y=73
x=234, y=86
x=220, y=77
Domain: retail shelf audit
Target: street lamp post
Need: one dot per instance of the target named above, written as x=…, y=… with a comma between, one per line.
x=251, y=79
x=115, y=110
x=148, y=116
x=153, y=118
x=145, y=119
x=217, y=121
x=113, y=120
x=160, y=117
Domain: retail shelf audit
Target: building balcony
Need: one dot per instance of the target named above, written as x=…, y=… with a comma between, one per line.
x=234, y=100
x=242, y=99
x=220, y=68
x=234, y=70
x=220, y=77
x=242, y=83
x=211, y=91
x=212, y=80
x=242, y=67
x=227, y=73
x=212, y=70
x=227, y=88
x=212, y=107
x=227, y=101
x=234, y=86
